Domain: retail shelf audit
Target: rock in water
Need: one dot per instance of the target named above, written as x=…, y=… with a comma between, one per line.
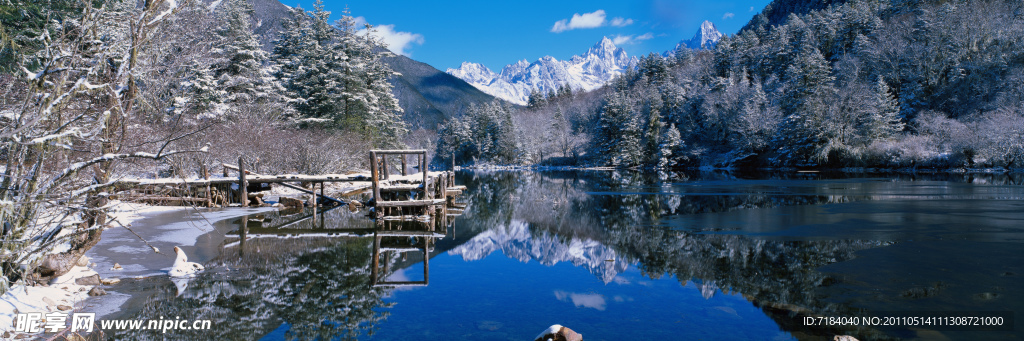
x=97, y=291
x=182, y=267
x=116, y=267
x=83, y=261
x=290, y=202
x=559, y=333
x=90, y=280
x=844, y=338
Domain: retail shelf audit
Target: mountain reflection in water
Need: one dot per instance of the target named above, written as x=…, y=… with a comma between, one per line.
x=669, y=256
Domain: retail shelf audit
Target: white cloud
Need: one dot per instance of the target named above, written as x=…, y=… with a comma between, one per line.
x=630, y=39
x=595, y=301
x=398, y=42
x=728, y=15
x=751, y=8
x=585, y=20
x=621, y=40
x=620, y=22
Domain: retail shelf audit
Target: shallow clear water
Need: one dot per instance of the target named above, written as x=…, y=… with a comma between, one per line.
x=618, y=256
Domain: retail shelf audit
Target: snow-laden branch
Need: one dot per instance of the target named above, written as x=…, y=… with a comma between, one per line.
x=172, y=5
x=80, y=85
x=74, y=168
x=47, y=138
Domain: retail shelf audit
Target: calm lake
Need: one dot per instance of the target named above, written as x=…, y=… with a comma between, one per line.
x=619, y=256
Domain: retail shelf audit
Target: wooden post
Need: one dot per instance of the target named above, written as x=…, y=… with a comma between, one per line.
x=373, y=177
x=376, y=259
x=314, y=206
x=405, y=169
x=423, y=168
x=426, y=260
x=384, y=162
x=242, y=234
x=443, y=188
x=206, y=176
x=243, y=196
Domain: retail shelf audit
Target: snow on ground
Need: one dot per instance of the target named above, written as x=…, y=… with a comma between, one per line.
x=126, y=212
x=62, y=291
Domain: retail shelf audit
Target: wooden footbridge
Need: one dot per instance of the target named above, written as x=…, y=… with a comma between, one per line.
x=396, y=192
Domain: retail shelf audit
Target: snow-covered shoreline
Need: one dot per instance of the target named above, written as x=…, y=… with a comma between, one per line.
x=63, y=292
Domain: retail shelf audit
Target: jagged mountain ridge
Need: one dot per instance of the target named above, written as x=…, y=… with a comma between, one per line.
x=600, y=64
x=705, y=39
x=517, y=242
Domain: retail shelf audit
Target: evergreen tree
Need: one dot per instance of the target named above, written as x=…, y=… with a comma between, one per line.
x=669, y=144
x=201, y=97
x=810, y=90
x=370, y=107
x=240, y=73
x=484, y=133
x=883, y=120
x=564, y=91
x=619, y=133
x=336, y=76
x=308, y=67
x=536, y=99
x=558, y=134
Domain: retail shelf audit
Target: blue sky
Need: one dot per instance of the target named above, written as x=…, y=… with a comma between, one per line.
x=494, y=33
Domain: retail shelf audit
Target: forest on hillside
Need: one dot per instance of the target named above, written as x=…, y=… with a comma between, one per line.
x=889, y=84
x=101, y=90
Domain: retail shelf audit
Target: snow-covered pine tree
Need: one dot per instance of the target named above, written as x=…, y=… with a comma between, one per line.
x=201, y=97
x=536, y=99
x=619, y=132
x=670, y=142
x=241, y=73
x=307, y=67
x=883, y=120
x=336, y=77
x=370, y=106
x=558, y=134
x=810, y=87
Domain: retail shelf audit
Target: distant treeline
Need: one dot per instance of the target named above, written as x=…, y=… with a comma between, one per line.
x=875, y=83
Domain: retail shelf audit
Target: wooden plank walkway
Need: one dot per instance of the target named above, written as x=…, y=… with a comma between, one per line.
x=401, y=194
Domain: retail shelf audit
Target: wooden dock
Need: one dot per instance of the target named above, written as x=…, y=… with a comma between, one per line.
x=395, y=190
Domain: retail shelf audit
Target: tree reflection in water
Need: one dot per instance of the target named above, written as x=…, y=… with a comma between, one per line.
x=319, y=285
x=681, y=225
x=684, y=225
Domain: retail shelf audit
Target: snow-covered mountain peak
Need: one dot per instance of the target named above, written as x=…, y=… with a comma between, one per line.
x=706, y=37
x=518, y=242
x=600, y=64
x=707, y=28
x=476, y=72
x=605, y=47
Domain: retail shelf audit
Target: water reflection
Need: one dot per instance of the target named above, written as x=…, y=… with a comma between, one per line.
x=300, y=275
x=396, y=242
x=668, y=253
x=792, y=247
